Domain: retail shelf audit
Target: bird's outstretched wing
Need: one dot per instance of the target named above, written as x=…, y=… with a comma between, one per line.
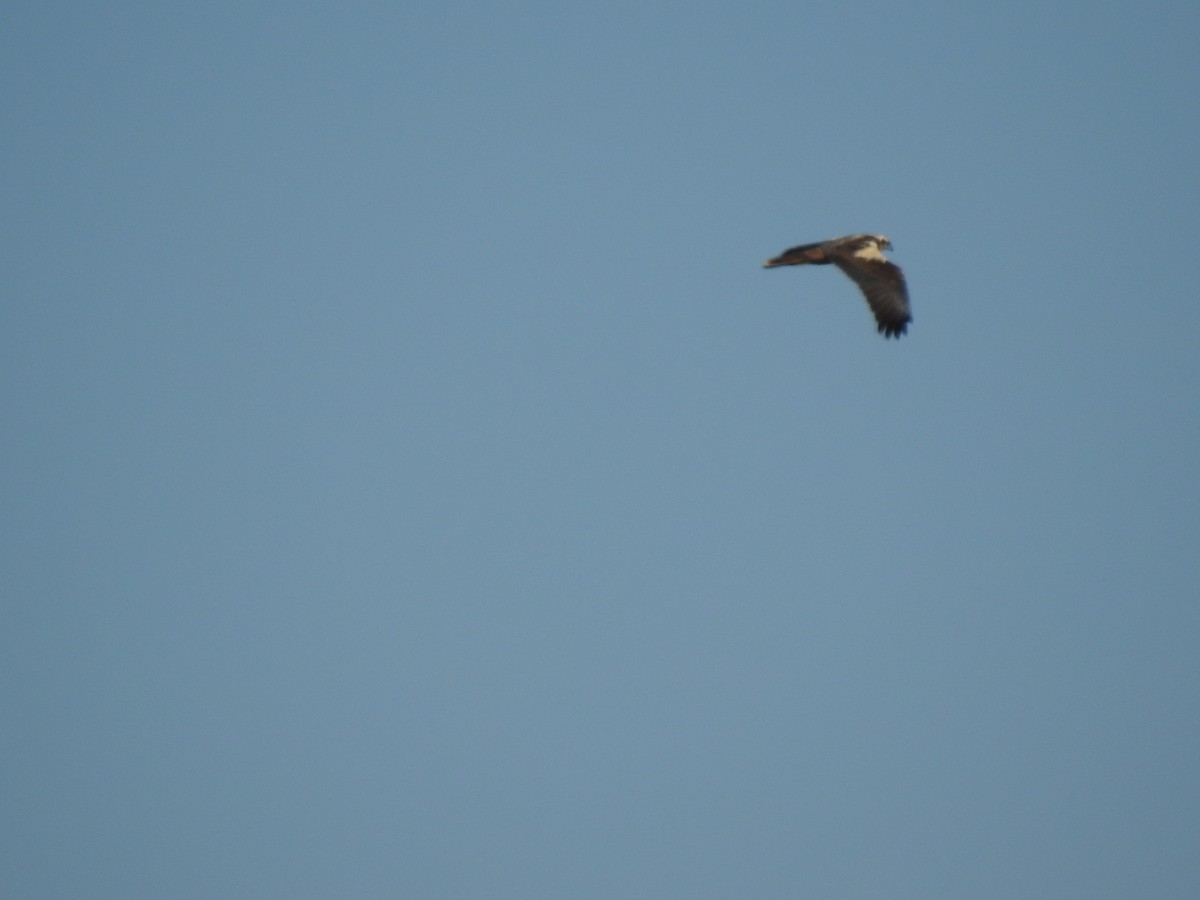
x=882, y=283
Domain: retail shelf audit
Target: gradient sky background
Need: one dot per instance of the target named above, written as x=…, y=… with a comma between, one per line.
x=414, y=487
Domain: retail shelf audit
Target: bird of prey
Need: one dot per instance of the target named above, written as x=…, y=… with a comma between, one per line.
x=861, y=257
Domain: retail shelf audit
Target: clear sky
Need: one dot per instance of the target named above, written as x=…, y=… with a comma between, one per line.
x=414, y=486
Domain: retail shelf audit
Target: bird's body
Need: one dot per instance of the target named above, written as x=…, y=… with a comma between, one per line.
x=861, y=257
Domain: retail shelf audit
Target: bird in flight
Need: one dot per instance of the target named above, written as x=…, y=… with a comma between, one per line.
x=861, y=257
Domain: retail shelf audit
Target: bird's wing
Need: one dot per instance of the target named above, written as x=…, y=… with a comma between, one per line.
x=882, y=283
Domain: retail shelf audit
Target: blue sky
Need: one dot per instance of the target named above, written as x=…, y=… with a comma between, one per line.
x=415, y=487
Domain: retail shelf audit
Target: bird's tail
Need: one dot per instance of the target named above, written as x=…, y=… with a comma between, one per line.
x=804, y=255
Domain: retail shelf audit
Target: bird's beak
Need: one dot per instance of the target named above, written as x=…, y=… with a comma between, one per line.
x=771, y=263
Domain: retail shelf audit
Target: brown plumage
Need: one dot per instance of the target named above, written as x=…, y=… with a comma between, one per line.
x=861, y=257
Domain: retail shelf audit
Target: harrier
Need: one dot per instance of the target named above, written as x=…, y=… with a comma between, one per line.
x=861, y=257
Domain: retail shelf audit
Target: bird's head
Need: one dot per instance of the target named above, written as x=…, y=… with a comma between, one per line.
x=882, y=242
